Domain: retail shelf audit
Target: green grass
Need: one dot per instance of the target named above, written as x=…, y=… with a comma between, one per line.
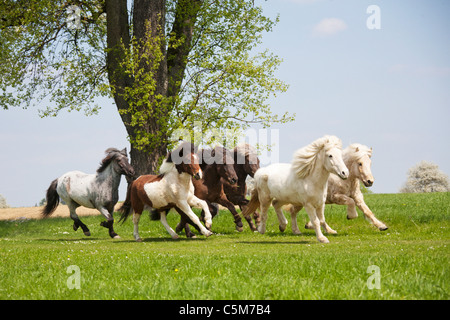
x=413, y=257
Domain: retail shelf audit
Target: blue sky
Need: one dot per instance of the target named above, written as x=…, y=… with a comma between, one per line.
x=386, y=88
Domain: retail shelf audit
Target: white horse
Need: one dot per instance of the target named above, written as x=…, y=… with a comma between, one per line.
x=357, y=158
x=301, y=183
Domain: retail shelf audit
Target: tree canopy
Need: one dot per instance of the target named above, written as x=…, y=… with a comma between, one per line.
x=165, y=63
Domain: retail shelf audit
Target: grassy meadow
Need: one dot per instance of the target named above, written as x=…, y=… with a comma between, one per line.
x=413, y=257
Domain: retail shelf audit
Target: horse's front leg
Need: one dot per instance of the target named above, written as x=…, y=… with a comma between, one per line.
x=311, y=211
x=369, y=214
x=184, y=206
x=193, y=201
x=232, y=209
x=76, y=220
x=184, y=224
x=109, y=222
x=343, y=199
x=321, y=215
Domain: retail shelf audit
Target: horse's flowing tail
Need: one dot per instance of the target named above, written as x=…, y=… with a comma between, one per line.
x=253, y=205
x=126, y=207
x=52, y=198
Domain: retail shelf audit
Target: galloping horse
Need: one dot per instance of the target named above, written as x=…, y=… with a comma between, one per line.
x=246, y=162
x=303, y=182
x=171, y=189
x=357, y=158
x=217, y=166
x=99, y=191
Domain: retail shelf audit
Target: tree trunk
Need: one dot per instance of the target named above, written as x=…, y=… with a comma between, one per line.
x=148, y=25
x=143, y=160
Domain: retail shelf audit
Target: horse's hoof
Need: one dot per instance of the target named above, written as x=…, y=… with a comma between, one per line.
x=309, y=226
x=323, y=240
x=75, y=228
x=138, y=240
x=87, y=233
x=297, y=232
x=175, y=237
x=116, y=236
x=282, y=228
x=240, y=229
x=208, y=233
x=383, y=228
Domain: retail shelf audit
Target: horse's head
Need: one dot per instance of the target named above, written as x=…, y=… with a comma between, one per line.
x=333, y=161
x=360, y=167
x=247, y=156
x=119, y=160
x=186, y=160
x=224, y=162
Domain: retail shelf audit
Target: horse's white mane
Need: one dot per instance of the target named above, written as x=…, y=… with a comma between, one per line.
x=166, y=167
x=356, y=151
x=245, y=149
x=304, y=159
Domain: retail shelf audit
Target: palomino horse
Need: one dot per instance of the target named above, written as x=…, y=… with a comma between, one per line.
x=348, y=192
x=171, y=189
x=217, y=166
x=303, y=182
x=246, y=162
x=99, y=191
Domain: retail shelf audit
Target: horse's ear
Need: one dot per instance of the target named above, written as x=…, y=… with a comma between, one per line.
x=124, y=151
x=370, y=152
x=357, y=149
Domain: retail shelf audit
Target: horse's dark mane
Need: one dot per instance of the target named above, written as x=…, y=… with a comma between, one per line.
x=184, y=146
x=111, y=154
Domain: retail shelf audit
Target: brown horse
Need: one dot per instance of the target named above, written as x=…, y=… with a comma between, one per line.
x=171, y=189
x=246, y=162
x=225, y=192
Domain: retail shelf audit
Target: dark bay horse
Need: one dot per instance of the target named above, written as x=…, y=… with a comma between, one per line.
x=246, y=162
x=97, y=191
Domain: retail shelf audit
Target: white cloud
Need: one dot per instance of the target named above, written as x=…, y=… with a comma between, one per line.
x=328, y=27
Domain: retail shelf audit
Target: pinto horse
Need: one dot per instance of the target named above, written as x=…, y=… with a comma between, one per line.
x=218, y=167
x=171, y=189
x=99, y=191
x=303, y=182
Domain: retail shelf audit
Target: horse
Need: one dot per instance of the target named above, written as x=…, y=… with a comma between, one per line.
x=357, y=158
x=172, y=188
x=302, y=182
x=246, y=162
x=218, y=167
x=98, y=191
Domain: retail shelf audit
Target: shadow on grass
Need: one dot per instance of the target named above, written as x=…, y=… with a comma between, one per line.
x=71, y=239
x=302, y=242
x=154, y=239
